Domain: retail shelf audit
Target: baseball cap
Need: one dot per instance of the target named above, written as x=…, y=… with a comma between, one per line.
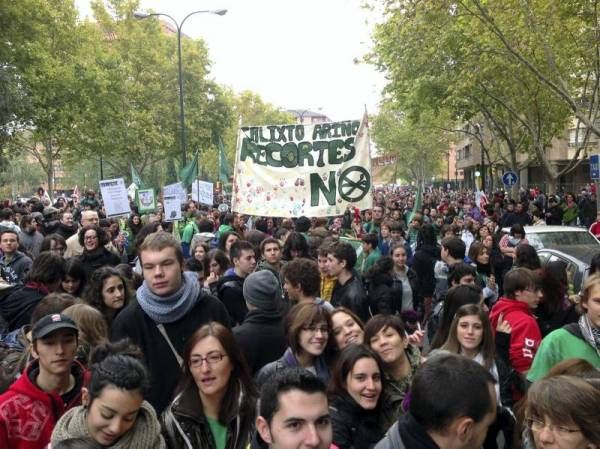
x=50, y=323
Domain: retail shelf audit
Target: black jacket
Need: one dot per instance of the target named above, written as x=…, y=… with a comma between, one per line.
x=65, y=231
x=261, y=337
x=230, y=292
x=352, y=295
x=353, y=426
x=423, y=263
x=185, y=426
x=16, y=308
x=554, y=216
x=91, y=261
x=133, y=323
x=386, y=294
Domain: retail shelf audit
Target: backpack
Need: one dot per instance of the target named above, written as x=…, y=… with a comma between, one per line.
x=11, y=362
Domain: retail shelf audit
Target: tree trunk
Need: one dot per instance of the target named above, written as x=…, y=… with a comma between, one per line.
x=50, y=170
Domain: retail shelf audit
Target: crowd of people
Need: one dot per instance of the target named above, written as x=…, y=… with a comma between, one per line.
x=419, y=323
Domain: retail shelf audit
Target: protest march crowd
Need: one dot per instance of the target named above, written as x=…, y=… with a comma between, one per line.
x=419, y=323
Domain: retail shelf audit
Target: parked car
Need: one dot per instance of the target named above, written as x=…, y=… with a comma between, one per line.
x=575, y=246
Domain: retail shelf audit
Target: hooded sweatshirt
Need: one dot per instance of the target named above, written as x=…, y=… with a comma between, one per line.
x=28, y=414
x=525, y=336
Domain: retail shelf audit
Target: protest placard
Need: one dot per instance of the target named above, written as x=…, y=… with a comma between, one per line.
x=292, y=170
x=176, y=189
x=114, y=194
x=202, y=192
x=172, y=207
x=146, y=201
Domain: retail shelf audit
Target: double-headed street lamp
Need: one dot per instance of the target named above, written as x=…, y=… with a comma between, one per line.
x=145, y=15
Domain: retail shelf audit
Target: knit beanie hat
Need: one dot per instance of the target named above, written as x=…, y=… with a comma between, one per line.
x=262, y=290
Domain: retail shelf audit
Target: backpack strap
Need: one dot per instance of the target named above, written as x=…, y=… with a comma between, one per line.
x=163, y=332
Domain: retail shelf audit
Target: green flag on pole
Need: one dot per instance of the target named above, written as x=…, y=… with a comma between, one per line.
x=418, y=202
x=189, y=173
x=224, y=169
x=135, y=178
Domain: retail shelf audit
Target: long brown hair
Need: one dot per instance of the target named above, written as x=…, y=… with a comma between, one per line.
x=487, y=342
x=307, y=314
x=240, y=382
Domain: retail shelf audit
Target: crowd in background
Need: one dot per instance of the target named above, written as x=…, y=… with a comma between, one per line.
x=427, y=321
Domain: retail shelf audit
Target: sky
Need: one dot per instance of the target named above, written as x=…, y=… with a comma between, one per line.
x=296, y=54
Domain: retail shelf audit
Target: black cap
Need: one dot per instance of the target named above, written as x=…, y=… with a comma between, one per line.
x=51, y=323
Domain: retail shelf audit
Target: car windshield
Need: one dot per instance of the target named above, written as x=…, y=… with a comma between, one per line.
x=558, y=240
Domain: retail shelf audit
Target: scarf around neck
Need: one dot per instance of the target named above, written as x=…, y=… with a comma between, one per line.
x=168, y=309
x=590, y=333
x=145, y=433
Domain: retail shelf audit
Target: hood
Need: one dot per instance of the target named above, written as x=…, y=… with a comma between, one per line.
x=505, y=306
x=260, y=316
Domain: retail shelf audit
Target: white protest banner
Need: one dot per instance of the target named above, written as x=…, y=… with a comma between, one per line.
x=176, y=189
x=114, y=194
x=172, y=207
x=292, y=170
x=202, y=192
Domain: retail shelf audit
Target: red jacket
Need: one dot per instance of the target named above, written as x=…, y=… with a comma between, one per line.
x=525, y=336
x=28, y=415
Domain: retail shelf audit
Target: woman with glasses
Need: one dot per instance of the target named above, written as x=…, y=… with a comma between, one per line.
x=95, y=255
x=355, y=399
x=215, y=403
x=563, y=412
x=308, y=328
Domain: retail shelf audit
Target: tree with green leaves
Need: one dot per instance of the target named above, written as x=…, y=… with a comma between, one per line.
x=419, y=147
x=441, y=57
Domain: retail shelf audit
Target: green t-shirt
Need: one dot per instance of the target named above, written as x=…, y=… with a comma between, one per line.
x=219, y=432
x=557, y=346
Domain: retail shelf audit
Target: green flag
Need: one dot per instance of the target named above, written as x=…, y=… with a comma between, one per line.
x=135, y=178
x=224, y=169
x=189, y=173
x=418, y=202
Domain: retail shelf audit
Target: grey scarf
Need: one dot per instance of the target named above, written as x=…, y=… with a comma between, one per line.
x=145, y=433
x=168, y=309
x=590, y=333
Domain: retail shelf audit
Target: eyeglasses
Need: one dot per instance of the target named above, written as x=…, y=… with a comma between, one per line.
x=315, y=329
x=537, y=425
x=212, y=359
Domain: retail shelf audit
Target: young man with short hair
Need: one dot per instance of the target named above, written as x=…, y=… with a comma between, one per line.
x=14, y=265
x=453, y=251
x=294, y=411
x=370, y=253
x=270, y=250
x=374, y=226
x=302, y=281
x=230, y=287
x=170, y=307
x=521, y=296
x=453, y=403
x=49, y=386
x=327, y=281
x=348, y=291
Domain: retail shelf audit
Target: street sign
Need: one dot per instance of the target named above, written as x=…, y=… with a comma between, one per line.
x=510, y=178
x=594, y=166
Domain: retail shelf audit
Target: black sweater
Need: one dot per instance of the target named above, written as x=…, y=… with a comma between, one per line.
x=133, y=323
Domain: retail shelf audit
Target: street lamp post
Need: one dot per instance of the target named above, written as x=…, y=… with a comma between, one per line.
x=144, y=15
